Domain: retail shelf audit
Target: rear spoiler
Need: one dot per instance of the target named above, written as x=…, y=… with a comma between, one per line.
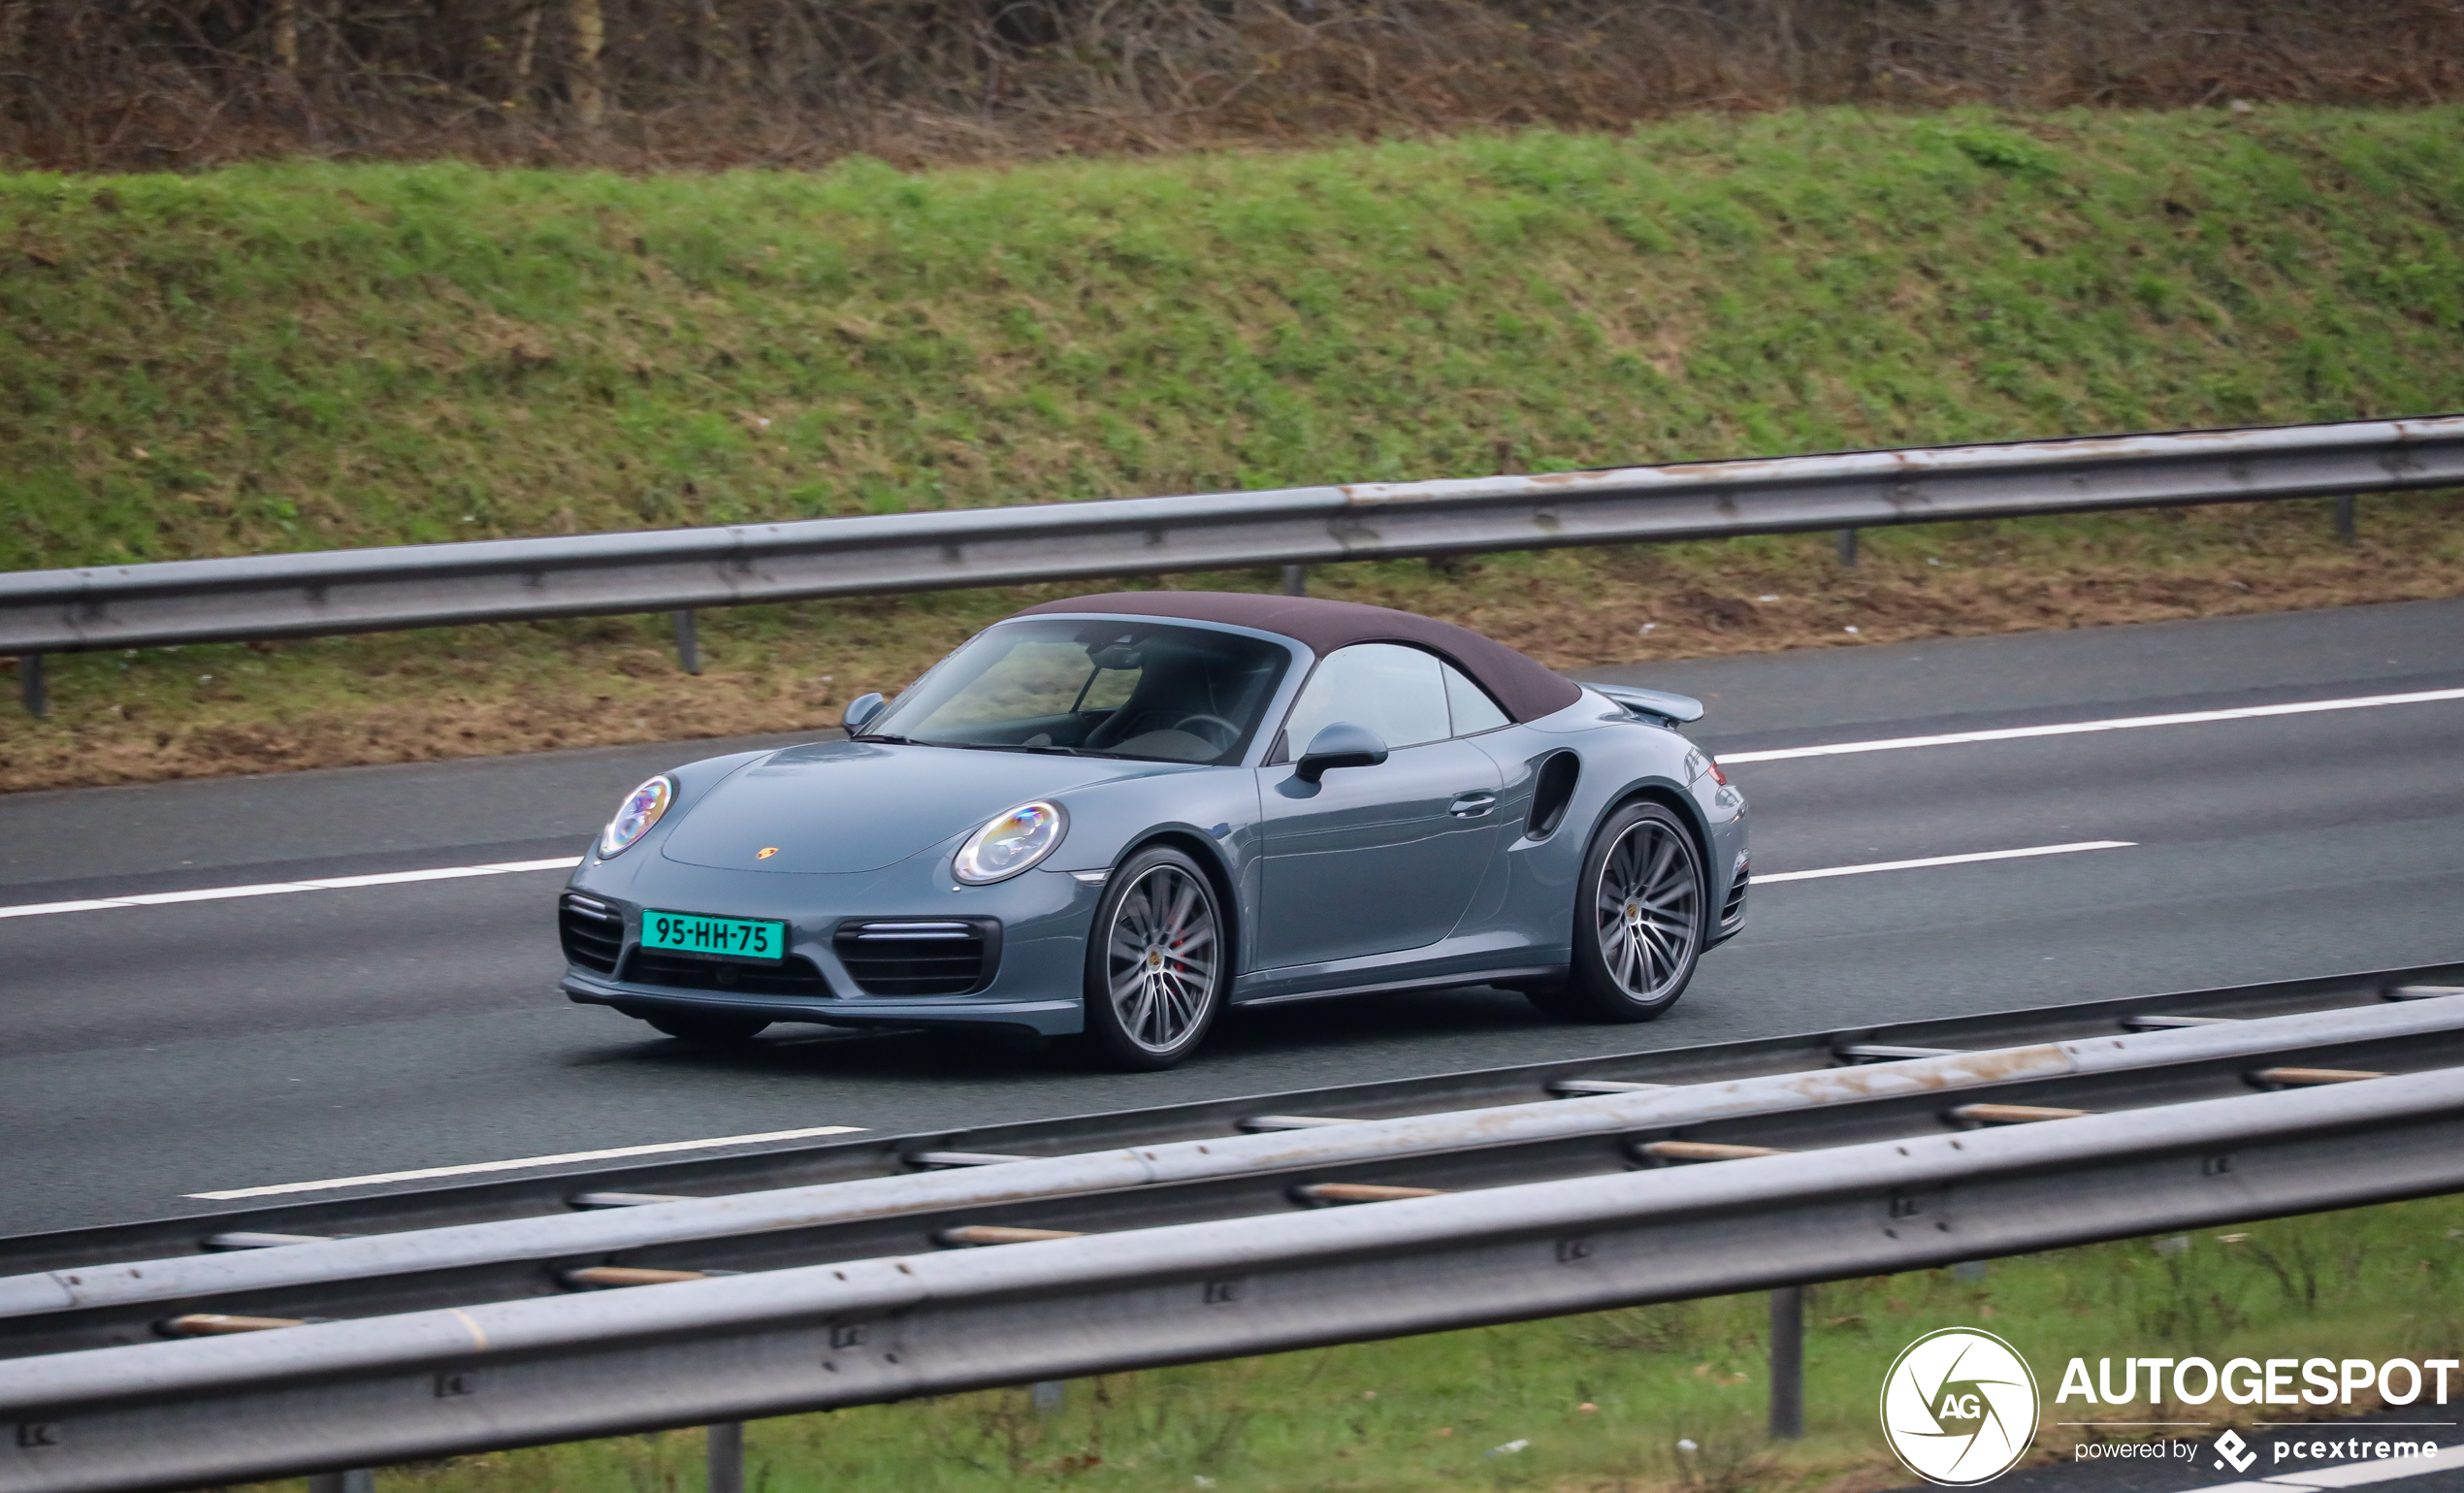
x=1652, y=705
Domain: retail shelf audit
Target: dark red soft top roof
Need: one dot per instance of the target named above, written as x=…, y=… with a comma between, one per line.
x=1523, y=687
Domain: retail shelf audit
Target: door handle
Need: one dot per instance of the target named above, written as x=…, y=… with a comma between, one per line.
x=1471, y=806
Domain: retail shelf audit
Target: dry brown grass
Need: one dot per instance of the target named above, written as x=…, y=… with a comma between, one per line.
x=423, y=696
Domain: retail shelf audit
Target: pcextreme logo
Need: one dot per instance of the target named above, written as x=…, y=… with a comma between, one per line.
x=1958, y=1406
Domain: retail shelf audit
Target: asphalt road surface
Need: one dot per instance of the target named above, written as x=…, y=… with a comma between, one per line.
x=152, y=1053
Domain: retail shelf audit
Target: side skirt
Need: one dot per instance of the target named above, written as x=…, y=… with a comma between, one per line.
x=1417, y=983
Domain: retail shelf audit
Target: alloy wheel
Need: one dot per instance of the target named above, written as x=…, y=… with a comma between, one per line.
x=1162, y=957
x=1647, y=908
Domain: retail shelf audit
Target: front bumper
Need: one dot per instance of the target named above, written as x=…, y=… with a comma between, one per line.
x=1037, y=921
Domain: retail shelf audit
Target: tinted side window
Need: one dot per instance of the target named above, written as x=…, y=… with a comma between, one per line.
x=1396, y=692
x=1472, y=710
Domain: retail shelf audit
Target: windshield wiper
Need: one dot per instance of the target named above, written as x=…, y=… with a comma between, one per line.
x=894, y=740
x=995, y=746
x=1046, y=750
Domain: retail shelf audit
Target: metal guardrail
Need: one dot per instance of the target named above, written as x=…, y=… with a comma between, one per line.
x=373, y=590
x=457, y=1244
x=1896, y=1164
x=507, y=1374
x=1202, y=1179
x=551, y=1190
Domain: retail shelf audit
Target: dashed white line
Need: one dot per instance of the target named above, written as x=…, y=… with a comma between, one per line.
x=1911, y=865
x=282, y=888
x=1727, y=759
x=2082, y=728
x=422, y=1174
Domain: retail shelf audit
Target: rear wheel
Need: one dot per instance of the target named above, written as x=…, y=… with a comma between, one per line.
x=710, y=1026
x=1156, y=963
x=1642, y=916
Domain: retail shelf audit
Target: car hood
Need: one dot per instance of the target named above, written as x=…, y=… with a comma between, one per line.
x=859, y=806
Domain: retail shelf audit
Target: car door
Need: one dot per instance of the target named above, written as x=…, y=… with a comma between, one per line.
x=1373, y=859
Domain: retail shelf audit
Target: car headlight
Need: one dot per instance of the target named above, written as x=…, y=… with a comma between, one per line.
x=640, y=810
x=1011, y=843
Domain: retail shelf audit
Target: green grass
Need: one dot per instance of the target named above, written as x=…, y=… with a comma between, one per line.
x=307, y=355
x=1426, y=1412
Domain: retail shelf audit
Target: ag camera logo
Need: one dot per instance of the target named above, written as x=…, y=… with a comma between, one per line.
x=1958, y=1406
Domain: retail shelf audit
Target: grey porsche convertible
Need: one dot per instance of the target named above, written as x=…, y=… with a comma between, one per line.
x=1114, y=815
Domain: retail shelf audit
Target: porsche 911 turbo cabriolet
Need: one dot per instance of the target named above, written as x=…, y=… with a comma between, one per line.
x=1117, y=815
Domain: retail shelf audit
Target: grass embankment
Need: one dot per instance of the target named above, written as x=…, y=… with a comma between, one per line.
x=292, y=357
x=1602, y=1402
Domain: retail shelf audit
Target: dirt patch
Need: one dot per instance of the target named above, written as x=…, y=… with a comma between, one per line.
x=425, y=696
x=1779, y=608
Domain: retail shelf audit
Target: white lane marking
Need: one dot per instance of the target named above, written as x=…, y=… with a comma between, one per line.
x=1911, y=865
x=421, y=1174
x=281, y=887
x=2081, y=728
x=1726, y=758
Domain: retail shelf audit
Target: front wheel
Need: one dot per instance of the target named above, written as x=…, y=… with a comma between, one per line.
x=1642, y=916
x=1155, y=962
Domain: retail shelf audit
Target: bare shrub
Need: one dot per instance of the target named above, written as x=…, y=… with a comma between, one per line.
x=640, y=83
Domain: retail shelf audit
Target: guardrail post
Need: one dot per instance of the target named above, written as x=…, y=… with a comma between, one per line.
x=359, y=1480
x=1848, y=548
x=2345, y=506
x=1788, y=1361
x=727, y=1456
x=30, y=682
x=1049, y=1396
x=688, y=642
x=1296, y=580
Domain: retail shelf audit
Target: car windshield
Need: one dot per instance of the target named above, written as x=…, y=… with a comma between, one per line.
x=1145, y=689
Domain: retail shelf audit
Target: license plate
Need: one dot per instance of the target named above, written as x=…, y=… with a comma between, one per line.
x=725, y=938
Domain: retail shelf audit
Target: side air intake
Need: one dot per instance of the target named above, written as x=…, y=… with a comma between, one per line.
x=1554, y=790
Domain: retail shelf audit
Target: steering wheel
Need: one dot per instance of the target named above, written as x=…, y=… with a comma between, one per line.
x=1231, y=732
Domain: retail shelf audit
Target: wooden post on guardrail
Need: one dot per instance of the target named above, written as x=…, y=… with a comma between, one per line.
x=2345, y=506
x=1296, y=580
x=1848, y=548
x=1788, y=1363
x=359, y=1480
x=30, y=682
x=726, y=1457
x=688, y=642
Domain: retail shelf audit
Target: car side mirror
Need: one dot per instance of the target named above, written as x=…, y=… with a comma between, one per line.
x=1340, y=745
x=863, y=709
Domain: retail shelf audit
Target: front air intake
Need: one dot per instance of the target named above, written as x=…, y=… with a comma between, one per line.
x=593, y=932
x=795, y=975
x=955, y=957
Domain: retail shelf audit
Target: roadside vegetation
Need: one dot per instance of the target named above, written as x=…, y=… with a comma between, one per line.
x=1606, y=1403
x=650, y=84
x=306, y=356
x=412, y=697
